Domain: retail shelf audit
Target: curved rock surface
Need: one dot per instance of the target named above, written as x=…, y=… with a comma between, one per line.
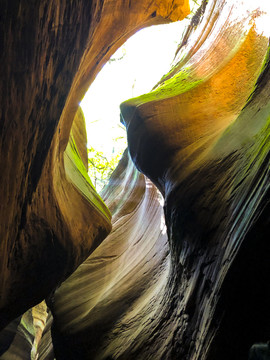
x=207, y=122
x=49, y=56
x=120, y=285
x=186, y=283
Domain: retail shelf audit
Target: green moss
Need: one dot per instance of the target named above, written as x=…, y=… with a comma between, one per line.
x=78, y=176
x=176, y=85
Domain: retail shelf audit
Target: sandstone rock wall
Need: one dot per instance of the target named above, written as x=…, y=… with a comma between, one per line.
x=196, y=291
x=50, y=53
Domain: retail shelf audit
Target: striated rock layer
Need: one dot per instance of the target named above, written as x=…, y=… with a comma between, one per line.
x=109, y=305
x=51, y=217
x=207, y=122
x=195, y=288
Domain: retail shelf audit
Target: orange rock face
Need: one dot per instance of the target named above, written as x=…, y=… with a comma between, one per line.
x=129, y=276
x=185, y=116
x=51, y=218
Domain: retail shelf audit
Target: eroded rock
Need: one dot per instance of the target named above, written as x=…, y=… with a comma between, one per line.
x=197, y=291
x=49, y=56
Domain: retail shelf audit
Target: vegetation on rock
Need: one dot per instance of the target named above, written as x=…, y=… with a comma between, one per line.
x=101, y=166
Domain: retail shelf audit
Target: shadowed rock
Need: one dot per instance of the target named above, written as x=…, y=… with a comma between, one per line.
x=196, y=291
x=49, y=56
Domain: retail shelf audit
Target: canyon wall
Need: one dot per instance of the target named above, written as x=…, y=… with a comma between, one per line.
x=171, y=261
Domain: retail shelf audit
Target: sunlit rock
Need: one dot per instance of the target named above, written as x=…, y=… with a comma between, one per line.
x=27, y=332
x=190, y=283
x=121, y=284
x=51, y=217
x=207, y=124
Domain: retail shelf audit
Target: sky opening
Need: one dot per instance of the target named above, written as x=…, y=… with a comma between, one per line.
x=133, y=70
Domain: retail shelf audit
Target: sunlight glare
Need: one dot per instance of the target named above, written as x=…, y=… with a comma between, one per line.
x=133, y=70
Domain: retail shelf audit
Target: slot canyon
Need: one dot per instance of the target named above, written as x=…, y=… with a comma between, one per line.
x=172, y=260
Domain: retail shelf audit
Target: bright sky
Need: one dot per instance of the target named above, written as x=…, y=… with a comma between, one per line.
x=147, y=57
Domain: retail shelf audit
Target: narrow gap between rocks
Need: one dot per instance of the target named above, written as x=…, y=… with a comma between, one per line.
x=132, y=70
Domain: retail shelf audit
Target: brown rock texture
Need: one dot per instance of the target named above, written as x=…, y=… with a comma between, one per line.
x=207, y=122
x=182, y=275
x=122, y=281
x=50, y=53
